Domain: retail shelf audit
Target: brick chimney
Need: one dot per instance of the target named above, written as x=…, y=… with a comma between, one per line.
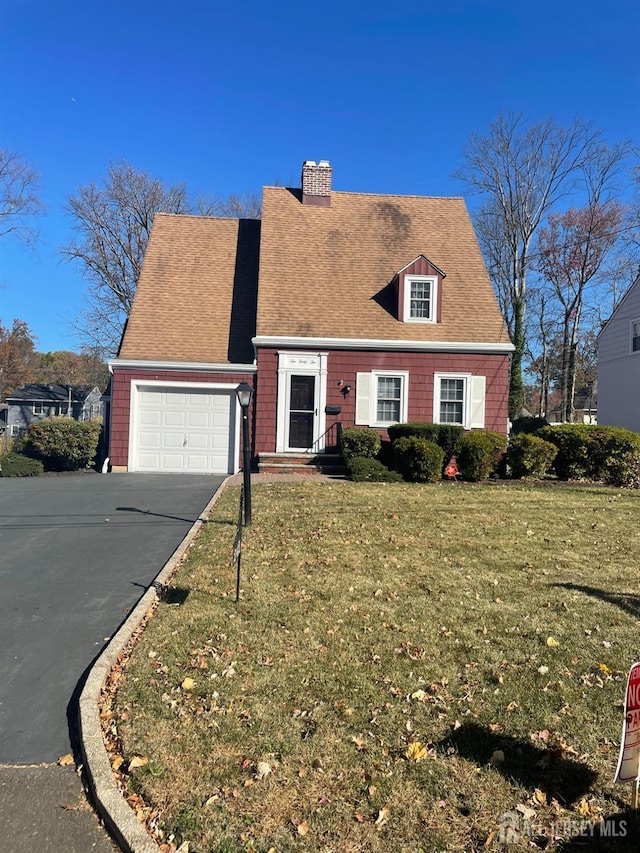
x=316, y=183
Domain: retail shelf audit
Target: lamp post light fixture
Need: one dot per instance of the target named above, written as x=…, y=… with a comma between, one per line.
x=244, y=393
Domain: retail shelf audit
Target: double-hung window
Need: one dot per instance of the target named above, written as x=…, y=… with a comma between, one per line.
x=420, y=299
x=38, y=408
x=453, y=393
x=381, y=397
x=459, y=398
x=635, y=336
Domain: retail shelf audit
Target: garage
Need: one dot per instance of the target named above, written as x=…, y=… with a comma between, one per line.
x=187, y=430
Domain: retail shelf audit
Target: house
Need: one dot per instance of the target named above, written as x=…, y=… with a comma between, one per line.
x=34, y=402
x=338, y=308
x=619, y=364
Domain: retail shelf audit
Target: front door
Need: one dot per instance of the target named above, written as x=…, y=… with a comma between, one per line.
x=302, y=396
x=303, y=412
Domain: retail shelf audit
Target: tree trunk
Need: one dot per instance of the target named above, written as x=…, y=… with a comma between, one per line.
x=516, y=387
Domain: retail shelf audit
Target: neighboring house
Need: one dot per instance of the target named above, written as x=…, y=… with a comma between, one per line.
x=619, y=364
x=34, y=402
x=338, y=308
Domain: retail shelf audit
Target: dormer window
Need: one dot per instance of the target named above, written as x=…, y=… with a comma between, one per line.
x=420, y=295
x=419, y=291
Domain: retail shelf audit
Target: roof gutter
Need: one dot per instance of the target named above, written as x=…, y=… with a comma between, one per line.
x=377, y=344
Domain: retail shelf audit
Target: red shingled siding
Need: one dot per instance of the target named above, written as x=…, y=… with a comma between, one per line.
x=121, y=397
x=345, y=364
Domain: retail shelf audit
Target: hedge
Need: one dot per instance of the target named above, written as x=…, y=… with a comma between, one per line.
x=361, y=442
x=479, y=453
x=418, y=460
x=363, y=469
x=529, y=455
x=62, y=444
x=605, y=454
x=17, y=465
x=445, y=436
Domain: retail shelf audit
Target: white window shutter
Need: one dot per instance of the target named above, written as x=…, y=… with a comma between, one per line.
x=478, y=391
x=363, y=393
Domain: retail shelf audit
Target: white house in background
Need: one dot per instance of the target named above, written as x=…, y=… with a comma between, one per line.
x=619, y=364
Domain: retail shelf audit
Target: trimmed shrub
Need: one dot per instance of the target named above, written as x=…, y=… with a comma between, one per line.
x=418, y=460
x=363, y=469
x=572, y=441
x=528, y=424
x=445, y=436
x=530, y=456
x=614, y=456
x=17, y=465
x=606, y=454
x=479, y=453
x=62, y=444
x=359, y=441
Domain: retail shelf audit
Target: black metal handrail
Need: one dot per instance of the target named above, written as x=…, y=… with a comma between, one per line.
x=334, y=430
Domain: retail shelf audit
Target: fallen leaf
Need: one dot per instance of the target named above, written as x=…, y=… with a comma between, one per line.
x=526, y=811
x=303, y=828
x=539, y=797
x=188, y=684
x=416, y=751
x=585, y=808
x=360, y=741
x=552, y=642
x=66, y=760
x=117, y=763
x=543, y=670
x=383, y=816
x=138, y=761
x=263, y=769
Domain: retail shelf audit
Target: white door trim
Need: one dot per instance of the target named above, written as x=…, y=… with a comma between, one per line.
x=301, y=364
x=137, y=385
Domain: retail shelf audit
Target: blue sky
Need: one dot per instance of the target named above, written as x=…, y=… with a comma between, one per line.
x=228, y=97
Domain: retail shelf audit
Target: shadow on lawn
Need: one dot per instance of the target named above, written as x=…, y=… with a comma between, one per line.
x=546, y=769
x=618, y=832
x=624, y=600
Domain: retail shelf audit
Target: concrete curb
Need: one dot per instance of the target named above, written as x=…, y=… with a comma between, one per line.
x=114, y=810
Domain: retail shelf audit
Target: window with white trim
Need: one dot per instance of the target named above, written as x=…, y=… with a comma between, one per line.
x=38, y=408
x=381, y=397
x=453, y=394
x=635, y=336
x=459, y=398
x=420, y=299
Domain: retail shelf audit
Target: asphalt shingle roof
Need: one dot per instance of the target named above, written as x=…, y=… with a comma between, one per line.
x=196, y=297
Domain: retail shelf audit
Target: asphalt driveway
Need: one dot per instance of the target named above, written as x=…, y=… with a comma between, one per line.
x=76, y=554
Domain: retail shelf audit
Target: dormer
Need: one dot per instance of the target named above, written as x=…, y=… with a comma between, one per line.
x=420, y=292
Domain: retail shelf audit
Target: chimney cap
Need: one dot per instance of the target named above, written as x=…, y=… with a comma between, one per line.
x=309, y=163
x=324, y=163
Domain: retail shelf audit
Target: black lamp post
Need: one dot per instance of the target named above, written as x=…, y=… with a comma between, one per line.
x=244, y=393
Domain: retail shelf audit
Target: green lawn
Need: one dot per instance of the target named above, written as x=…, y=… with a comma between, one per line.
x=407, y=664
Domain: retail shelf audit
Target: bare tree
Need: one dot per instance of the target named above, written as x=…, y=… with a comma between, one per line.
x=573, y=247
x=113, y=222
x=521, y=172
x=244, y=206
x=19, y=200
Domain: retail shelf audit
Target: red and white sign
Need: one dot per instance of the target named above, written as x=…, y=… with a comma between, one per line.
x=629, y=761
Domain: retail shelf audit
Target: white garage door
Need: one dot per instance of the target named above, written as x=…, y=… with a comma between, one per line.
x=189, y=431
